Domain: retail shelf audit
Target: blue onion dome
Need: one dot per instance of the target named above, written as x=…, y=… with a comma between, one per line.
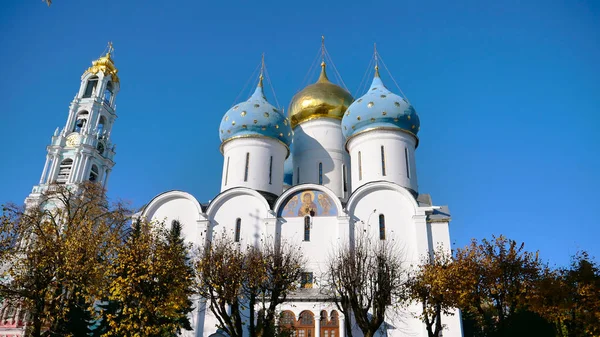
x=255, y=118
x=379, y=108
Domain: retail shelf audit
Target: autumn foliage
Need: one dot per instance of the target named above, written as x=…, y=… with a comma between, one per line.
x=71, y=265
x=504, y=290
x=55, y=255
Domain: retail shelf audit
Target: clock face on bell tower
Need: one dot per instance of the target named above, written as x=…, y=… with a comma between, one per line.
x=73, y=140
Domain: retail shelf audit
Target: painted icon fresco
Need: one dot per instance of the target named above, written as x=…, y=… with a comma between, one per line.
x=308, y=202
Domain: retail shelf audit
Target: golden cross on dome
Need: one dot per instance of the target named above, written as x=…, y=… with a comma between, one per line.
x=323, y=48
x=262, y=69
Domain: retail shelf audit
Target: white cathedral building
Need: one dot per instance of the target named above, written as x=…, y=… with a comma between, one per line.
x=332, y=165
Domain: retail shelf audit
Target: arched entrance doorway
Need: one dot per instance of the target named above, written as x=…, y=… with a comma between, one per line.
x=305, y=326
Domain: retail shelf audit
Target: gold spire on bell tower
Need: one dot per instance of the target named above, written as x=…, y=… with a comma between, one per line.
x=105, y=64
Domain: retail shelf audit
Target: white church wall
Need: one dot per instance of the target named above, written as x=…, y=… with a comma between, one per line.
x=181, y=206
x=398, y=208
x=324, y=224
x=247, y=205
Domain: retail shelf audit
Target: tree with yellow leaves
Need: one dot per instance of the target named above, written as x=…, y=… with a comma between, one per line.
x=151, y=282
x=570, y=297
x=430, y=285
x=492, y=282
x=54, y=255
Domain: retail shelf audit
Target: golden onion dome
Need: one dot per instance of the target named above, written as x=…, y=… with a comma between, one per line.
x=318, y=100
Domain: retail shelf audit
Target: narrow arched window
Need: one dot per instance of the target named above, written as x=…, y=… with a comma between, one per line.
x=307, y=228
x=90, y=87
x=226, y=171
x=247, y=163
x=94, y=173
x=382, y=161
x=108, y=93
x=407, y=164
x=344, y=178
x=64, y=171
x=238, y=228
x=270, y=170
x=320, y=173
x=381, y=227
x=298, y=175
x=101, y=125
x=359, y=166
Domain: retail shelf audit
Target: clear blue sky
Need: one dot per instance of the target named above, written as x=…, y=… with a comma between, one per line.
x=507, y=92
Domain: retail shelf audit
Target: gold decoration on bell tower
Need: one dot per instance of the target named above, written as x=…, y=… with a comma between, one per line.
x=105, y=64
x=320, y=99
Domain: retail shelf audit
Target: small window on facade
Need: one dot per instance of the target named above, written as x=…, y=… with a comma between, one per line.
x=306, y=281
x=298, y=175
x=270, y=170
x=108, y=93
x=320, y=173
x=407, y=164
x=238, y=228
x=247, y=163
x=90, y=87
x=381, y=227
x=359, y=166
x=64, y=171
x=226, y=171
x=307, y=228
x=344, y=178
x=94, y=173
x=382, y=161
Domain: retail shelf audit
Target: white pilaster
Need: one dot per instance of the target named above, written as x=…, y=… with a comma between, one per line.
x=45, y=169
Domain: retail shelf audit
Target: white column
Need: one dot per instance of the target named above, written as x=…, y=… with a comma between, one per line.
x=45, y=169
x=106, y=178
x=76, y=162
x=342, y=325
x=54, y=167
x=318, y=324
x=84, y=169
x=77, y=173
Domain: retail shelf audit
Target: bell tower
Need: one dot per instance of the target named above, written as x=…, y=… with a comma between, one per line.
x=82, y=150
